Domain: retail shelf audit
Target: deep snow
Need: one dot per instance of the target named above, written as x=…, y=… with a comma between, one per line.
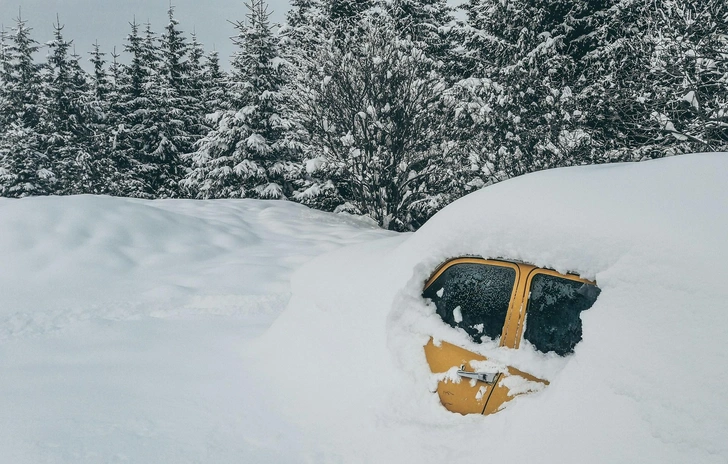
x=647, y=383
x=122, y=323
x=136, y=331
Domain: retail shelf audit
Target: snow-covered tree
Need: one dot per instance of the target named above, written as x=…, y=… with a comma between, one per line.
x=194, y=94
x=214, y=94
x=24, y=167
x=347, y=13
x=22, y=76
x=525, y=59
x=134, y=134
x=5, y=78
x=64, y=123
x=373, y=107
x=426, y=22
x=245, y=154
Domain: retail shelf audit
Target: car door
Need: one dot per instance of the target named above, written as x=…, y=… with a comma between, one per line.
x=489, y=299
x=476, y=295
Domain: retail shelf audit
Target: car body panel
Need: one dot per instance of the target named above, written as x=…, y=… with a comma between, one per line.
x=457, y=395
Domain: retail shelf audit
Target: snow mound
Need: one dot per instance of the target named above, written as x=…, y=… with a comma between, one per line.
x=62, y=252
x=646, y=384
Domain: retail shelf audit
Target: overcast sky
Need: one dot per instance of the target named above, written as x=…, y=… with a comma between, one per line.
x=108, y=20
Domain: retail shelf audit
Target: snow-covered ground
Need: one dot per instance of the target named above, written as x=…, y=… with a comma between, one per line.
x=134, y=331
x=122, y=322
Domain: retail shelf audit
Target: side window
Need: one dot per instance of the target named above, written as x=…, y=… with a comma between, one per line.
x=474, y=297
x=552, y=317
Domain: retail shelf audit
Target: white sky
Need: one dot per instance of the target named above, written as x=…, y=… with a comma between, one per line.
x=108, y=20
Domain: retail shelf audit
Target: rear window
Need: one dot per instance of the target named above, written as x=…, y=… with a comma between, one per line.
x=553, y=321
x=474, y=297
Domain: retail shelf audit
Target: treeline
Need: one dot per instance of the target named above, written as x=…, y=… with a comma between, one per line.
x=388, y=108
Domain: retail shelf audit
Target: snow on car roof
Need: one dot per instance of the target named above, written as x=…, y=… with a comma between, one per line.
x=647, y=383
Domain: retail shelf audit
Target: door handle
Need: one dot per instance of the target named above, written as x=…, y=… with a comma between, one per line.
x=487, y=377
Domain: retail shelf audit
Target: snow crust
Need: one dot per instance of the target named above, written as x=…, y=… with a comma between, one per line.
x=122, y=323
x=647, y=383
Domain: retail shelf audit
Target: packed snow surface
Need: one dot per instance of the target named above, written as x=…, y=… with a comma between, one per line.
x=136, y=331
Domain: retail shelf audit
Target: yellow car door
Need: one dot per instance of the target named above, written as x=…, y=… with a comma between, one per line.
x=489, y=299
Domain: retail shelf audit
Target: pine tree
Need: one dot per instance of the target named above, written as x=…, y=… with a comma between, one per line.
x=214, y=96
x=685, y=90
x=5, y=79
x=196, y=70
x=100, y=85
x=182, y=113
x=64, y=121
x=347, y=12
x=23, y=76
x=306, y=29
x=245, y=154
x=102, y=98
x=115, y=70
x=524, y=104
x=24, y=167
x=131, y=138
x=657, y=87
x=426, y=22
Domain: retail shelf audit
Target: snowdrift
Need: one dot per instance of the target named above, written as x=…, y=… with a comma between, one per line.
x=121, y=324
x=345, y=363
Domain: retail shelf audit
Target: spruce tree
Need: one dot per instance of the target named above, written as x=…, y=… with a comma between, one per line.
x=164, y=125
x=214, y=95
x=347, y=12
x=426, y=22
x=64, y=121
x=24, y=166
x=131, y=139
x=524, y=103
x=5, y=79
x=245, y=155
x=102, y=99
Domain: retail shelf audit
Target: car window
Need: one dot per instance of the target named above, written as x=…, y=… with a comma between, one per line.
x=474, y=297
x=553, y=321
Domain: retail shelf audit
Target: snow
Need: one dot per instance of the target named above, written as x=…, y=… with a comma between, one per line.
x=646, y=384
x=155, y=331
x=121, y=323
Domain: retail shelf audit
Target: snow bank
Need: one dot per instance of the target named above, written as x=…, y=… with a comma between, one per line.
x=647, y=384
x=121, y=323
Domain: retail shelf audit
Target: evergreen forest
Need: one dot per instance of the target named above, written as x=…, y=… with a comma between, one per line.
x=386, y=108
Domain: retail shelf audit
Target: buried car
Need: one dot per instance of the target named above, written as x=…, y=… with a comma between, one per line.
x=585, y=305
x=508, y=302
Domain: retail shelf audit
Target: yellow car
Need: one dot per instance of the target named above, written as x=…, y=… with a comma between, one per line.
x=507, y=302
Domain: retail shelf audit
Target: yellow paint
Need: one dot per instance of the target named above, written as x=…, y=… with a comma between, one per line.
x=464, y=396
x=469, y=397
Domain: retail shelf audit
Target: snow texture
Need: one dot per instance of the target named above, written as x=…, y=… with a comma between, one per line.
x=121, y=323
x=646, y=384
